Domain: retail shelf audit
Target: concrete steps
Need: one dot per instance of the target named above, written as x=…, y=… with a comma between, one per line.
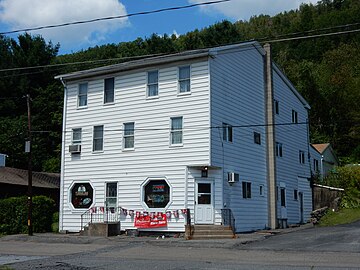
x=212, y=232
x=101, y=229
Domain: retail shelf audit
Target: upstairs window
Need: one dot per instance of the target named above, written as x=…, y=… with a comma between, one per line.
x=316, y=165
x=301, y=157
x=246, y=190
x=227, y=132
x=276, y=106
x=257, y=138
x=184, y=79
x=98, y=138
x=82, y=95
x=176, y=132
x=279, y=149
x=109, y=85
x=153, y=84
x=283, y=197
x=295, y=195
x=76, y=136
x=129, y=137
x=294, y=117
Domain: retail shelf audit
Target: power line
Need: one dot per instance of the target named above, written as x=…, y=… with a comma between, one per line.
x=114, y=17
x=82, y=62
x=152, y=55
x=313, y=36
x=315, y=30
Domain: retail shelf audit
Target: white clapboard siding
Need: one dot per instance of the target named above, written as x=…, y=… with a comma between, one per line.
x=152, y=156
x=293, y=138
x=237, y=99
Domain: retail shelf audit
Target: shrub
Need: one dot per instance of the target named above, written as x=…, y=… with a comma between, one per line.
x=348, y=178
x=14, y=211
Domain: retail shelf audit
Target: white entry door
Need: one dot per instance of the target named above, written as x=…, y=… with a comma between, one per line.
x=204, y=203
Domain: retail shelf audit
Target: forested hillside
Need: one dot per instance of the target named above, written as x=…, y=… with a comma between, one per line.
x=325, y=69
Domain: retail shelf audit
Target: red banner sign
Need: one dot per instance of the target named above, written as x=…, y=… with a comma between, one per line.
x=152, y=220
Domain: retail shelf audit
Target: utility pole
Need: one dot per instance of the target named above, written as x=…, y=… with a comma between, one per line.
x=28, y=149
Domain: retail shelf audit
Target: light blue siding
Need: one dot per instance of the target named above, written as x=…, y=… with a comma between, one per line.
x=238, y=99
x=294, y=138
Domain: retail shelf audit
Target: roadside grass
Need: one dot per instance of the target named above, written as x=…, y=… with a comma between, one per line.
x=4, y=267
x=343, y=216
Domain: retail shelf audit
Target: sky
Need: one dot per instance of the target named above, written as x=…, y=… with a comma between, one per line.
x=20, y=14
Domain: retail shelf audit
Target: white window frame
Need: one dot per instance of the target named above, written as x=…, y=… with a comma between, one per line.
x=176, y=131
x=78, y=140
x=227, y=131
x=98, y=138
x=128, y=136
x=181, y=80
x=111, y=197
x=142, y=194
x=112, y=90
x=148, y=84
x=81, y=95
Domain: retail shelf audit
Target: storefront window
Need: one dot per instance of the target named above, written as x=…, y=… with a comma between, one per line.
x=157, y=194
x=82, y=195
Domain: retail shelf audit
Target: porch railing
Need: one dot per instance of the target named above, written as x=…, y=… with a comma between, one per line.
x=100, y=214
x=228, y=218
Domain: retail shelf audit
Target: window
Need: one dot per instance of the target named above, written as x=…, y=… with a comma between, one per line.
x=227, y=132
x=109, y=86
x=184, y=79
x=279, y=149
x=295, y=194
x=98, y=138
x=294, y=116
x=176, y=133
x=316, y=165
x=82, y=195
x=153, y=84
x=76, y=136
x=129, y=135
x=276, y=106
x=261, y=190
x=82, y=94
x=246, y=190
x=111, y=194
x=301, y=157
x=257, y=138
x=282, y=197
x=157, y=194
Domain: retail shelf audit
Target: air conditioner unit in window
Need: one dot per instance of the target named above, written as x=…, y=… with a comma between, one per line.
x=233, y=177
x=75, y=148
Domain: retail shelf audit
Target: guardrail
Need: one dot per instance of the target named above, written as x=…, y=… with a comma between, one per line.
x=228, y=218
x=100, y=214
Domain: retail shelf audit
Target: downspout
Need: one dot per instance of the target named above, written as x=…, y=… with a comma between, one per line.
x=312, y=177
x=270, y=136
x=62, y=182
x=186, y=187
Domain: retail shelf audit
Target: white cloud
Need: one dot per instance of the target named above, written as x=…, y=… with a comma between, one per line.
x=244, y=9
x=19, y=14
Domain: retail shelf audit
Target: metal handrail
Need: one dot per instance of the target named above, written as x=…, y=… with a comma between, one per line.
x=228, y=218
x=100, y=214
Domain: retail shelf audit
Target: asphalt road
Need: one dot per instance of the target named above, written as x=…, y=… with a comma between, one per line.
x=311, y=248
